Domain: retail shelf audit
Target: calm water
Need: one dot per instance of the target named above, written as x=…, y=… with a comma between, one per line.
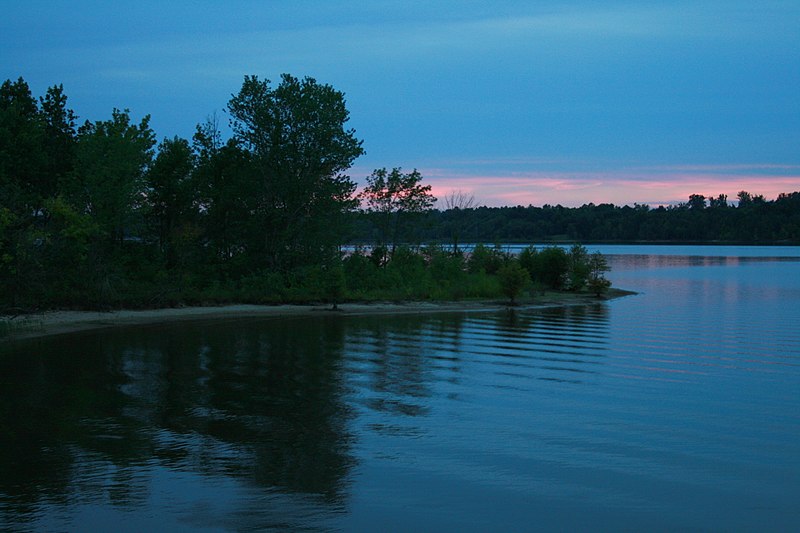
x=675, y=409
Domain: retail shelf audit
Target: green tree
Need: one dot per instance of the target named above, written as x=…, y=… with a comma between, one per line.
x=597, y=281
x=36, y=147
x=300, y=150
x=513, y=279
x=60, y=138
x=578, y=267
x=485, y=259
x=334, y=282
x=22, y=152
x=111, y=161
x=392, y=194
x=551, y=267
x=720, y=202
x=170, y=192
x=223, y=184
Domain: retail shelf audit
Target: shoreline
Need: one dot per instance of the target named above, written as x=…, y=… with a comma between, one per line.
x=65, y=322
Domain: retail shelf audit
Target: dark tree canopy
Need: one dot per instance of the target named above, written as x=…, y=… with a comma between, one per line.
x=300, y=150
x=753, y=220
x=170, y=191
x=112, y=157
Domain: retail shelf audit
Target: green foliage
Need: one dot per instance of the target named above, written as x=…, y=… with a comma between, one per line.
x=299, y=149
x=112, y=157
x=26, y=174
x=484, y=259
x=577, y=268
x=98, y=218
x=222, y=181
x=513, y=279
x=170, y=195
x=361, y=274
x=334, y=283
x=597, y=282
x=407, y=273
x=754, y=220
x=550, y=267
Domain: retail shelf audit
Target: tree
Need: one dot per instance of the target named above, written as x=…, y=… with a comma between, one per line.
x=111, y=161
x=456, y=202
x=578, y=269
x=22, y=153
x=300, y=150
x=598, y=266
x=720, y=201
x=552, y=265
x=513, y=279
x=334, y=282
x=169, y=192
x=391, y=194
x=746, y=199
x=222, y=183
x=59, y=141
x=697, y=202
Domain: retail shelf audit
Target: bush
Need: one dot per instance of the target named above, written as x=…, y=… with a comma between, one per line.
x=259, y=288
x=550, y=267
x=361, y=274
x=513, y=279
x=597, y=266
x=578, y=269
x=485, y=259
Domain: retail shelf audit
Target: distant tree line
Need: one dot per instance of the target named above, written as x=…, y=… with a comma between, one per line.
x=753, y=219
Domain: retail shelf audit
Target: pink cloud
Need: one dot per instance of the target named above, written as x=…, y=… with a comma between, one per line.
x=662, y=186
x=520, y=181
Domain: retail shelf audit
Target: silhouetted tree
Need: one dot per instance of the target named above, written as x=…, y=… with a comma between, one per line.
x=598, y=266
x=109, y=178
x=391, y=194
x=300, y=149
x=456, y=202
x=169, y=192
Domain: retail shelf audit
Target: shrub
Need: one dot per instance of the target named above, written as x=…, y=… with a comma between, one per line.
x=513, y=279
x=334, y=284
x=578, y=268
x=485, y=259
x=598, y=266
x=361, y=274
x=550, y=267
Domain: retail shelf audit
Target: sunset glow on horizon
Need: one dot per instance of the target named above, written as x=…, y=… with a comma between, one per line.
x=652, y=186
x=625, y=187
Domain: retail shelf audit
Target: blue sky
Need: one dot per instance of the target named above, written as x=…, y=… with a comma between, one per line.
x=515, y=102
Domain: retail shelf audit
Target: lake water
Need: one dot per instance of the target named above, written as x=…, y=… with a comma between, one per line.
x=675, y=409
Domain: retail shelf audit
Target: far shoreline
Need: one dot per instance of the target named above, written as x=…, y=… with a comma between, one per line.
x=61, y=322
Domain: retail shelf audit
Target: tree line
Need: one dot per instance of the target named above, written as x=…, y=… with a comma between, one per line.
x=102, y=214
x=750, y=220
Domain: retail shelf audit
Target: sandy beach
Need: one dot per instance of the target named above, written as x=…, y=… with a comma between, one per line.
x=60, y=322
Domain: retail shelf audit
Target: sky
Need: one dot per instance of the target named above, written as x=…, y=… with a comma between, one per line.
x=516, y=103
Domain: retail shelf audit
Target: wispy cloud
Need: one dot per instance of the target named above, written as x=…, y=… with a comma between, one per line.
x=660, y=186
